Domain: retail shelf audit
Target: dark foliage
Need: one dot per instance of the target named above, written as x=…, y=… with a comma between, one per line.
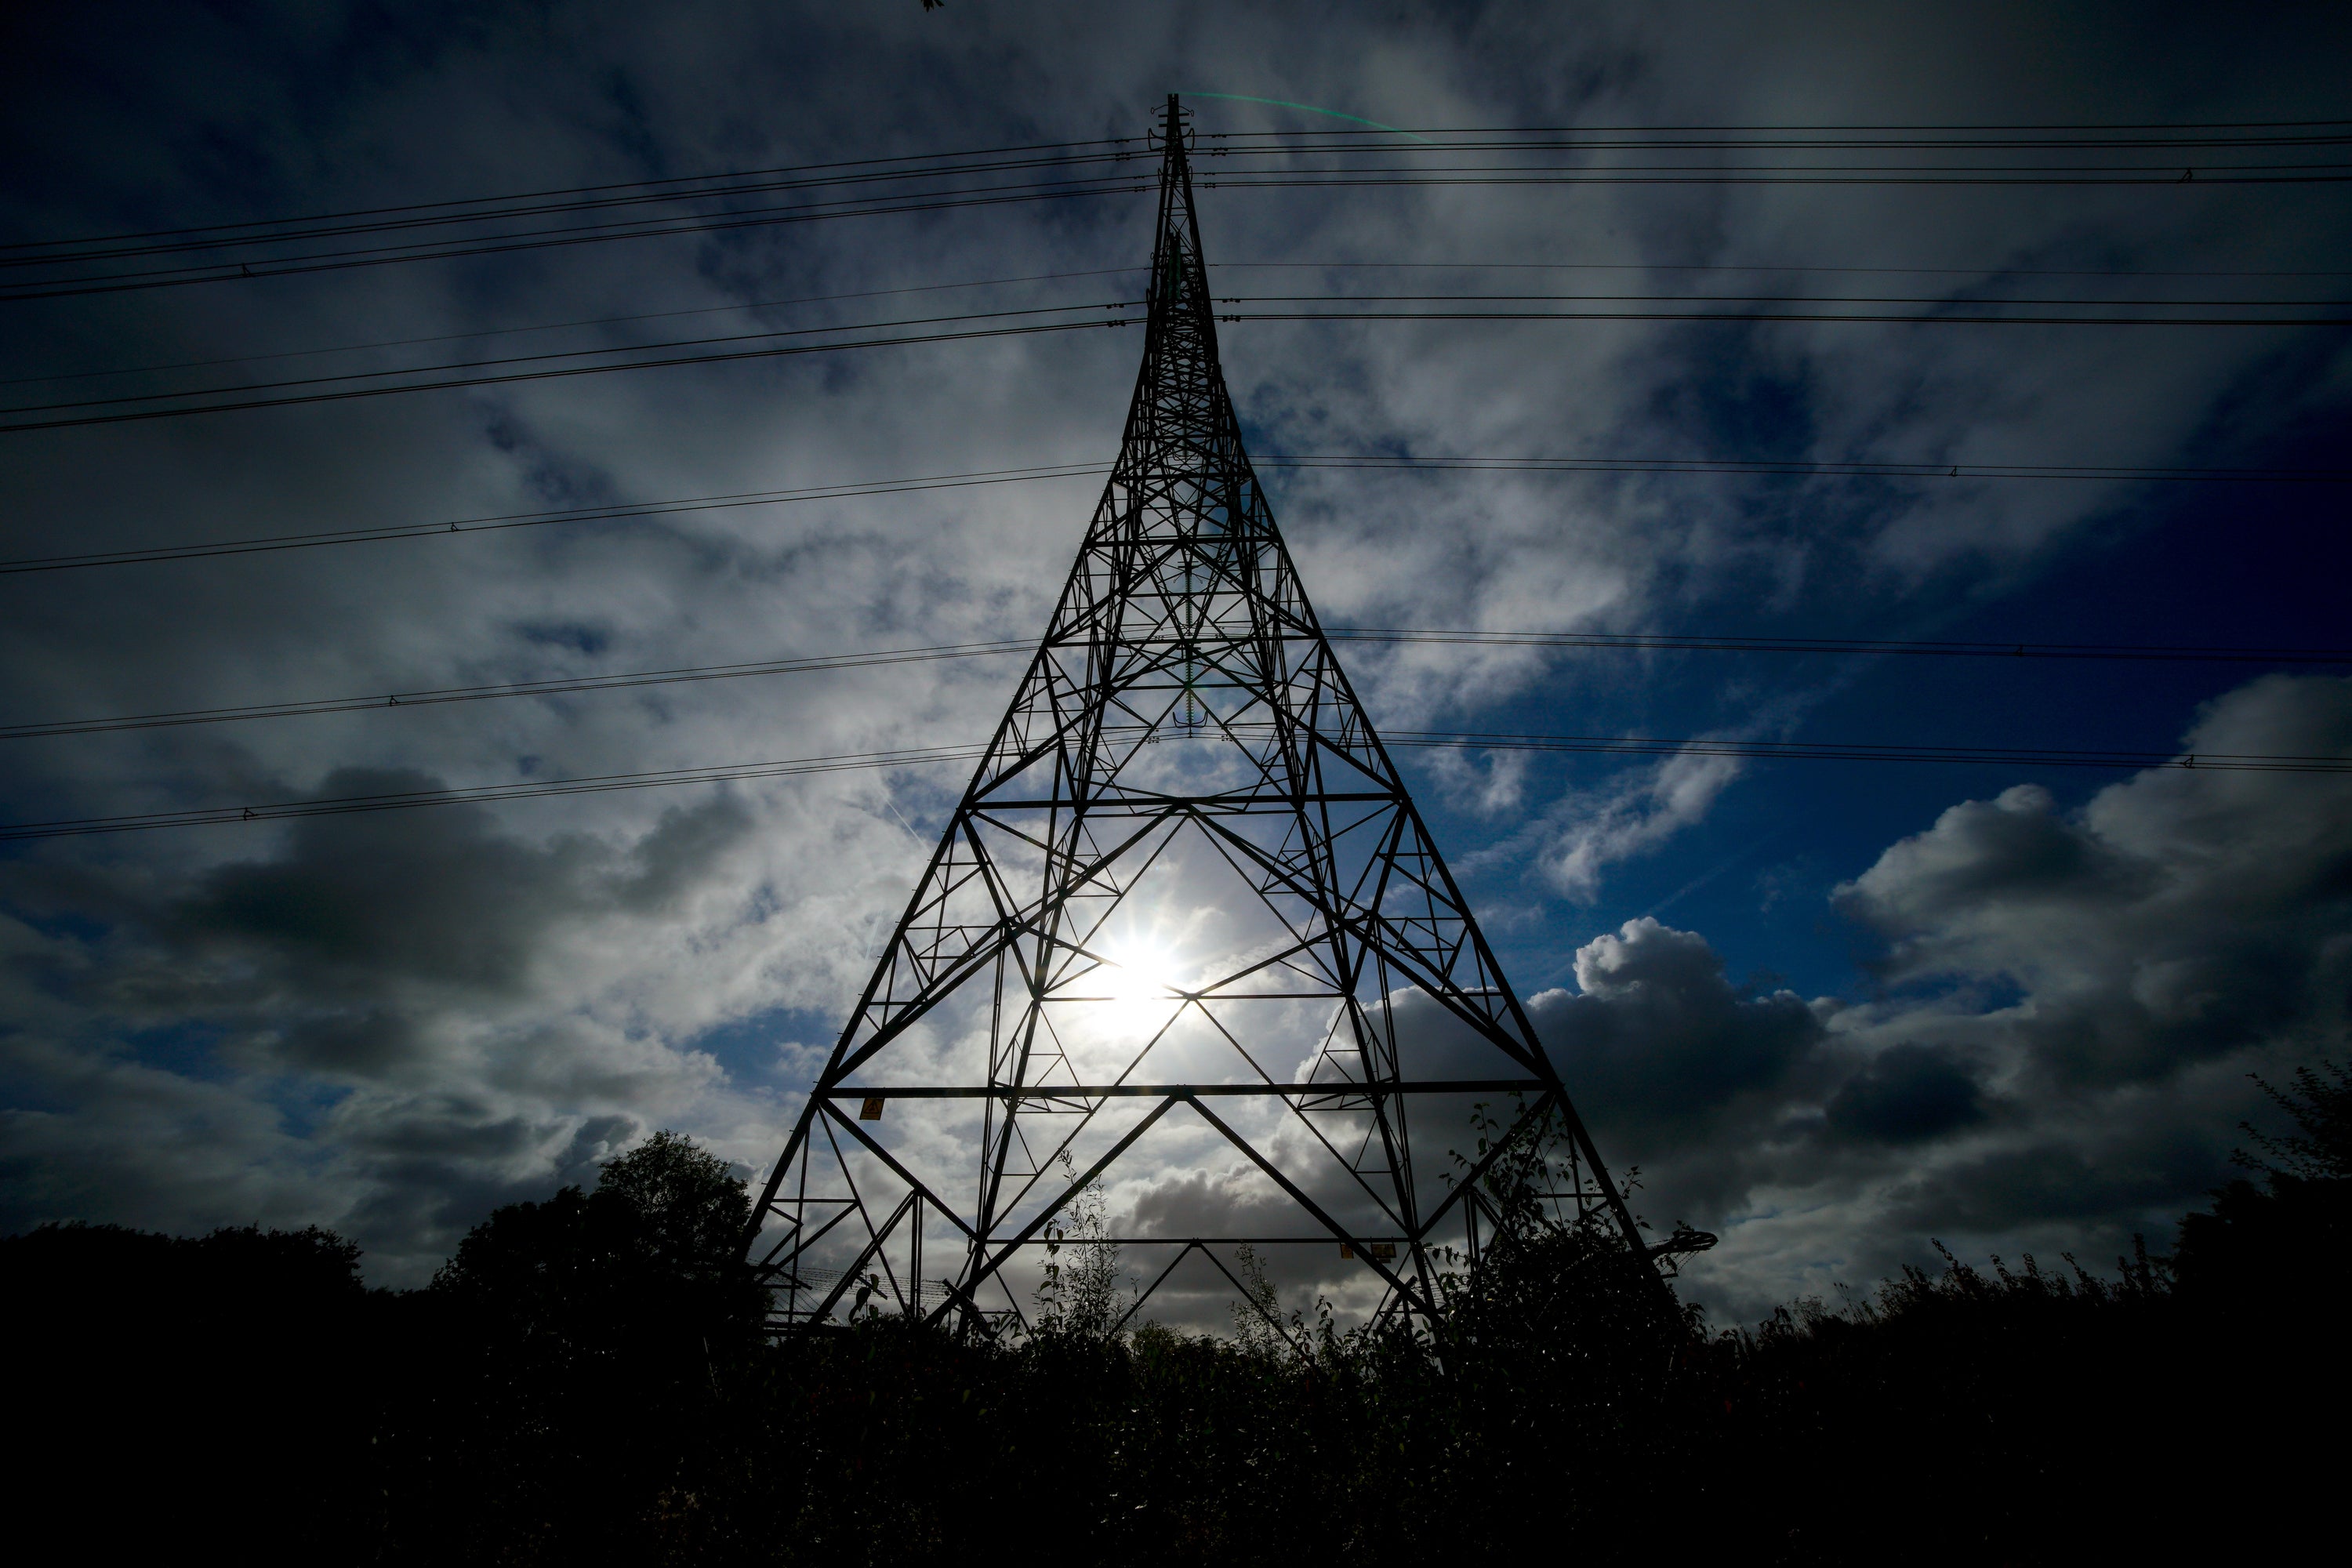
x=586, y=1382
x=2283, y=1248
x=163, y=1389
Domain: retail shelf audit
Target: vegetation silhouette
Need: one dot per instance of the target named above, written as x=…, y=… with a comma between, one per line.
x=587, y=1381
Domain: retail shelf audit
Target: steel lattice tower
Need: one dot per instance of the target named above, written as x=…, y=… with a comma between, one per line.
x=1174, y=919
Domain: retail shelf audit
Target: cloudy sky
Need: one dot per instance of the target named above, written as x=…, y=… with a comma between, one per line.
x=1833, y=1009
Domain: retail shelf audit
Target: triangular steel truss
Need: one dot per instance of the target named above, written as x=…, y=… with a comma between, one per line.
x=1185, y=935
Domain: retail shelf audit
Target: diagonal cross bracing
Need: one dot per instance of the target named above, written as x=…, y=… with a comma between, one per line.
x=1185, y=922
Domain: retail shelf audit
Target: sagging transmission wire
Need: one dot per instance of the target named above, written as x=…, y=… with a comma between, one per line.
x=344, y=386
x=1615, y=745
x=1953, y=315
x=2204, y=133
x=710, y=350
x=1993, y=273
x=1995, y=174
x=471, y=209
x=501, y=521
x=268, y=263
x=1065, y=158
x=625, y=511
x=377, y=702
x=561, y=326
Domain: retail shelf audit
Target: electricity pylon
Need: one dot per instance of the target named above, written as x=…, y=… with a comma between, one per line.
x=1185, y=935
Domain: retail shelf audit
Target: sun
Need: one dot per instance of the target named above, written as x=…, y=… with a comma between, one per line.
x=1138, y=980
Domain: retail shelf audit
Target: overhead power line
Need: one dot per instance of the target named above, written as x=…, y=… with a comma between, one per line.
x=243, y=389
x=400, y=800
x=346, y=386
x=561, y=326
x=378, y=702
x=2328, y=128
x=1991, y=274
x=882, y=187
x=1766, y=466
x=1995, y=271
x=464, y=209
x=1980, y=174
x=1911, y=318
x=1946, y=300
x=897, y=338
x=2171, y=135
x=585, y=234
x=1866, y=752
x=918, y=756
x=499, y=522
x=619, y=511
x=2161, y=653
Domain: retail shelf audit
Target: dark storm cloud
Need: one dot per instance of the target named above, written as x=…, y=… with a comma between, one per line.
x=2178, y=917
x=341, y=950
x=409, y=965
x=1656, y=1038
x=1907, y=1094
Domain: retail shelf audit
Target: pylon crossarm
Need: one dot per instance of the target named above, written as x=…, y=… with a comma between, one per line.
x=1298, y=1113
x=1313, y=943
x=1161, y=1278
x=1039, y=1222
x=1255, y=1305
x=848, y=1276
x=1370, y=932
x=1461, y=1188
x=1001, y=935
x=914, y=1183
x=1298, y=1195
x=797, y=1244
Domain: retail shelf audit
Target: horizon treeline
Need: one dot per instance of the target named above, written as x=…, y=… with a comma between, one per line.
x=588, y=1380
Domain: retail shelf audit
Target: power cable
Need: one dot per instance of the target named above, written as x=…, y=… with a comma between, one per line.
x=1655, y=642
x=1993, y=273
x=1976, y=128
x=2162, y=653
x=1947, y=301
x=2174, y=176
x=1868, y=751
x=345, y=260
x=117, y=402
x=1762, y=467
x=644, y=185
x=556, y=373
x=917, y=756
x=407, y=799
x=1770, y=467
x=1261, y=265
x=71, y=414
x=542, y=519
x=2317, y=132
x=374, y=703
x=62, y=253
x=1998, y=271
x=1913, y=318
x=693, y=186
x=560, y=326
x=180, y=242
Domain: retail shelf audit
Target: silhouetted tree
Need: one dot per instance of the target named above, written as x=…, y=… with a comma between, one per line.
x=2285, y=1245
x=647, y=1268
x=163, y=1387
